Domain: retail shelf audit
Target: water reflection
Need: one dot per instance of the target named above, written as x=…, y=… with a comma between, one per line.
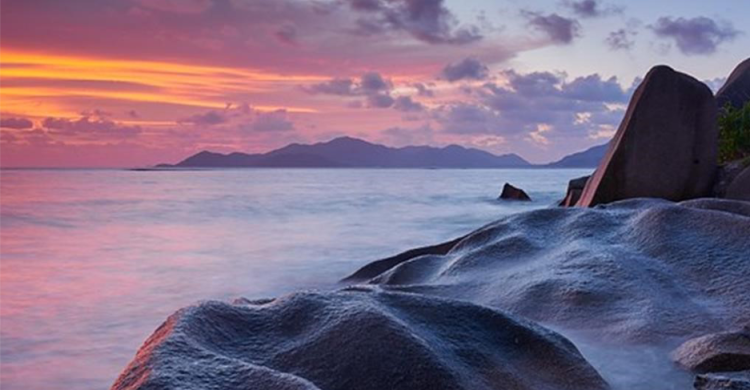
x=94, y=260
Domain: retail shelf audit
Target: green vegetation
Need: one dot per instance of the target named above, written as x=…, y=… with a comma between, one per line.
x=734, y=133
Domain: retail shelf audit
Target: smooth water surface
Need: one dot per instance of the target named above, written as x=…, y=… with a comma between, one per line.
x=94, y=260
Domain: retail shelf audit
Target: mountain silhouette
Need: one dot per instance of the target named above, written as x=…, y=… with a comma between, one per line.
x=588, y=158
x=355, y=153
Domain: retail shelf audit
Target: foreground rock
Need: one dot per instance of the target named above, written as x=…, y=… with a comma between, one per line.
x=638, y=270
x=736, y=91
x=739, y=188
x=724, y=381
x=665, y=147
x=358, y=338
x=512, y=193
x=720, y=352
x=627, y=281
x=575, y=189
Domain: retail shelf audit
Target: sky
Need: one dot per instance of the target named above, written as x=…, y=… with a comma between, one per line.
x=124, y=83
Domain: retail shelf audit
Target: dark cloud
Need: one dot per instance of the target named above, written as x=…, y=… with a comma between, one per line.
x=423, y=90
x=369, y=83
x=16, y=123
x=538, y=106
x=242, y=117
x=373, y=82
x=559, y=29
x=593, y=89
x=210, y=118
x=407, y=104
x=379, y=100
x=469, y=68
x=469, y=118
x=272, y=121
x=426, y=20
x=696, y=36
x=89, y=127
x=620, y=39
x=591, y=8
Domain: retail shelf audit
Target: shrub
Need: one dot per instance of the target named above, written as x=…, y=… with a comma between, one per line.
x=734, y=133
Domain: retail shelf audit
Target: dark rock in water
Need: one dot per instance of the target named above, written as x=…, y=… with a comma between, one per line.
x=736, y=91
x=724, y=381
x=513, y=193
x=739, y=188
x=718, y=352
x=575, y=189
x=357, y=338
x=665, y=147
x=639, y=270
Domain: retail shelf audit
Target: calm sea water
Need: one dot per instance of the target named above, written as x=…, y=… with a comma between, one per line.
x=94, y=260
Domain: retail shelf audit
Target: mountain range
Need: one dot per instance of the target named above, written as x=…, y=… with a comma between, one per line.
x=588, y=158
x=348, y=152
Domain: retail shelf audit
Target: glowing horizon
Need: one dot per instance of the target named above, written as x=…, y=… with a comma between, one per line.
x=138, y=82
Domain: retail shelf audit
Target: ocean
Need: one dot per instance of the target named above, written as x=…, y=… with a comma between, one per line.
x=92, y=261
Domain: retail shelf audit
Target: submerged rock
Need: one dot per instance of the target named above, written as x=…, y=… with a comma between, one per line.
x=357, y=338
x=736, y=90
x=719, y=352
x=512, y=193
x=665, y=147
x=724, y=381
x=575, y=189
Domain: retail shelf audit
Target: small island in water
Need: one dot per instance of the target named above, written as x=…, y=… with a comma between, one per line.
x=640, y=279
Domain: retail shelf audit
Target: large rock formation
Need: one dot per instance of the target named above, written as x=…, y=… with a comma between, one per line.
x=635, y=270
x=718, y=352
x=513, y=193
x=739, y=188
x=631, y=280
x=736, y=91
x=575, y=189
x=665, y=147
x=358, y=338
x=726, y=174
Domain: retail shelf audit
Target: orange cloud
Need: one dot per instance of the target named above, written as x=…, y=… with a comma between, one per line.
x=25, y=91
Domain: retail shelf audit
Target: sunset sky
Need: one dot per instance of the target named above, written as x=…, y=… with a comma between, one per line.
x=105, y=83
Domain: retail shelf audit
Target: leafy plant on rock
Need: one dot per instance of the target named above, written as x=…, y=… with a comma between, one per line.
x=734, y=133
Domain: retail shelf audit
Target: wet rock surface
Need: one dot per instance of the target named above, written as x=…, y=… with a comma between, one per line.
x=357, y=338
x=719, y=352
x=723, y=381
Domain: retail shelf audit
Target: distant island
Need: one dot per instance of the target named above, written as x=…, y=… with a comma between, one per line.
x=348, y=152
